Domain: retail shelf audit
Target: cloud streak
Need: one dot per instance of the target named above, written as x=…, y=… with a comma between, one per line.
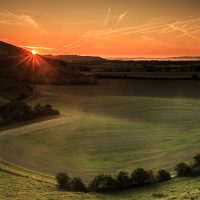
x=184, y=31
x=107, y=17
x=153, y=32
x=39, y=48
x=10, y=18
x=121, y=17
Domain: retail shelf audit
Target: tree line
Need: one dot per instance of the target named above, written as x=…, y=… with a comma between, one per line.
x=105, y=183
x=17, y=111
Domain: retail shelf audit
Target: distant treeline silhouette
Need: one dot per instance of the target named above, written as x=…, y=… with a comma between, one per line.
x=17, y=111
x=139, y=177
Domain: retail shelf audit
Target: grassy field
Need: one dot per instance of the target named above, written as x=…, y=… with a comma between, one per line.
x=115, y=125
x=19, y=187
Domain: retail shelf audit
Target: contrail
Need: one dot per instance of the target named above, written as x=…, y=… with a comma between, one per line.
x=121, y=17
x=106, y=20
x=185, y=32
x=12, y=14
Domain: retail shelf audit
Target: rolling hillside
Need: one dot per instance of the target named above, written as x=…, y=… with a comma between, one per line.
x=109, y=127
x=22, y=184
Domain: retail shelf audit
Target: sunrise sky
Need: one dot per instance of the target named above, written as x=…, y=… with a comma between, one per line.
x=109, y=28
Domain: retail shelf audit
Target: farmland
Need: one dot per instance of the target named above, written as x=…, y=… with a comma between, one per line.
x=114, y=125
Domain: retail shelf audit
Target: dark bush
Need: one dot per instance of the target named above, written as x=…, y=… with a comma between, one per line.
x=17, y=111
x=62, y=180
x=122, y=180
x=151, y=178
x=102, y=183
x=195, y=171
x=45, y=110
x=183, y=169
x=140, y=177
x=76, y=185
x=38, y=109
x=197, y=159
x=163, y=176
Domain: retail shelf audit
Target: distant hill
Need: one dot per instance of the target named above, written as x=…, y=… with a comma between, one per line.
x=186, y=58
x=160, y=59
x=7, y=49
x=76, y=58
x=18, y=63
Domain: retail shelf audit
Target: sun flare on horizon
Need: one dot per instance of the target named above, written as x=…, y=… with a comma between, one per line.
x=34, y=52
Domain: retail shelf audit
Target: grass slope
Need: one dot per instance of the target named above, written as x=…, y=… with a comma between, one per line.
x=23, y=172
x=22, y=188
x=115, y=125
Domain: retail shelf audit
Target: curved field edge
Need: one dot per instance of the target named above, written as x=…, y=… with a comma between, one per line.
x=22, y=184
x=26, y=173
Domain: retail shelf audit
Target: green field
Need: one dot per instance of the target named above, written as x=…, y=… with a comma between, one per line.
x=39, y=187
x=114, y=125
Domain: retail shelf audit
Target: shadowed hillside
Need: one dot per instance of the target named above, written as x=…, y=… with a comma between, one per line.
x=9, y=50
x=77, y=58
x=19, y=64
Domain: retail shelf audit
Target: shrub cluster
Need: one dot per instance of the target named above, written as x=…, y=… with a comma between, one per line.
x=106, y=183
x=66, y=183
x=184, y=169
x=16, y=111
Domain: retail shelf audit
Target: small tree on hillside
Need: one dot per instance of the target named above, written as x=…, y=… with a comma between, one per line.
x=76, y=185
x=123, y=180
x=102, y=183
x=197, y=159
x=183, y=169
x=140, y=177
x=163, y=176
x=62, y=180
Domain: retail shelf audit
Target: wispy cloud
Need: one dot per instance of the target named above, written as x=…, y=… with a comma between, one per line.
x=121, y=17
x=36, y=47
x=153, y=32
x=75, y=44
x=107, y=17
x=184, y=32
x=11, y=18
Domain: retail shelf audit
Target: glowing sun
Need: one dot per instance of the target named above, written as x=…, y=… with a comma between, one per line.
x=34, y=52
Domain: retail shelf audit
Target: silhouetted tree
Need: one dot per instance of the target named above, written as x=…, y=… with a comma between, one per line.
x=16, y=111
x=103, y=183
x=183, y=169
x=123, y=180
x=76, y=185
x=163, y=176
x=197, y=159
x=140, y=177
x=62, y=180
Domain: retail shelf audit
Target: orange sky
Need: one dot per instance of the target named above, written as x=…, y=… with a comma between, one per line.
x=110, y=28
